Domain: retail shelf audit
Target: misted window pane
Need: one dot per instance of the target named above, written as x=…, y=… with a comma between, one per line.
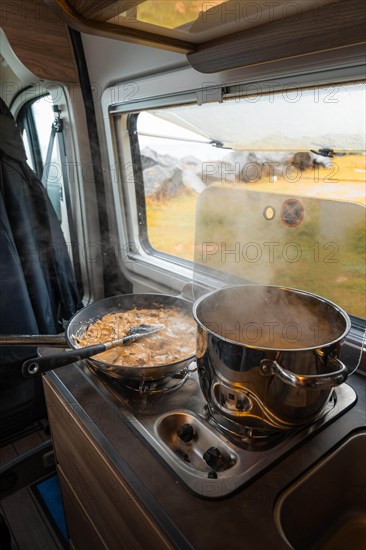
x=269, y=189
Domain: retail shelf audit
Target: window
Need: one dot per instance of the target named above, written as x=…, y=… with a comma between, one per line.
x=266, y=188
x=41, y=124
x=36, y=120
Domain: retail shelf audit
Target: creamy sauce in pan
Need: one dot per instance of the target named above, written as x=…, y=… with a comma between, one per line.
x=174, y=342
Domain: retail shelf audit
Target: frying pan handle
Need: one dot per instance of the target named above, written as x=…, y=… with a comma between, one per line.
x=39, y=365
x=54, y=340
x=325, y=381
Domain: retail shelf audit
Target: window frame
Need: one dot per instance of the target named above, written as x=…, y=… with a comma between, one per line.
x=160, y=271
x=141, y=264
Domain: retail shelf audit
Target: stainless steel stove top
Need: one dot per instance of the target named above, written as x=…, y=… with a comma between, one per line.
x=177, y=426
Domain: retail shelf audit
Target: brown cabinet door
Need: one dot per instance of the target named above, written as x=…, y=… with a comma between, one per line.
x=82, y=532
x=114, y=511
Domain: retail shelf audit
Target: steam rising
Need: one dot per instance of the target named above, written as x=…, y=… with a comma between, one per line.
x=271, y=317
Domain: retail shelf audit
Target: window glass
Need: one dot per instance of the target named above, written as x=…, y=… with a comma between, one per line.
x=43, y=116
x=197, y=19
x=173, y=14
x=36, y=120
x=267, y=189
x=27, y=148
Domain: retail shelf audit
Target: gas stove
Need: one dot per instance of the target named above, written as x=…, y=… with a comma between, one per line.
x=172, y=417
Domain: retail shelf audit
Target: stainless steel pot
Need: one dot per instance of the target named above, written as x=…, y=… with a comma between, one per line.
x=267, y=356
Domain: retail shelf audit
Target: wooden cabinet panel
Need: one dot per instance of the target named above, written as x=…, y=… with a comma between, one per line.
x=44, y=46
x=118, y=516
x=327, y=27
x=81, y=530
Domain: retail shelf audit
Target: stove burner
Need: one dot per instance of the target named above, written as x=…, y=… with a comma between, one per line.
x=155, y=387
x=260, y=434
x=213, y=462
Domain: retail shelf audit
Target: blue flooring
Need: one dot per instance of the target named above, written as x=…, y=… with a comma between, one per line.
x=50, y=494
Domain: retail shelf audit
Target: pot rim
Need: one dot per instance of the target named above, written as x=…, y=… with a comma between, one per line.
x=279, y=287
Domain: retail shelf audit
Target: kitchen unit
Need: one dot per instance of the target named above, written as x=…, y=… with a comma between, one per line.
x=128, y=487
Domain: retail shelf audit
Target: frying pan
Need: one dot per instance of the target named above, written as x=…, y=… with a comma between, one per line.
x=50, y=362
x=90, y=314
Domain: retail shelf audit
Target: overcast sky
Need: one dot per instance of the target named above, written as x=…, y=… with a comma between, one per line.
x=331, y=117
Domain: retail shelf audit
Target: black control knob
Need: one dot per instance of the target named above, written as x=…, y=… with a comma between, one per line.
x=186, y=432
x=214, y=458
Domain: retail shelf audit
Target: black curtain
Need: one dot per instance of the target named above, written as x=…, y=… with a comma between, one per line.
x=38, y=291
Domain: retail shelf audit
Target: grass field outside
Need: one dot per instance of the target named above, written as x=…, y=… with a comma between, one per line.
x=172, y=226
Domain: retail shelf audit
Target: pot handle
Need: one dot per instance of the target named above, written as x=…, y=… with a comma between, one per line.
x=312, y=381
